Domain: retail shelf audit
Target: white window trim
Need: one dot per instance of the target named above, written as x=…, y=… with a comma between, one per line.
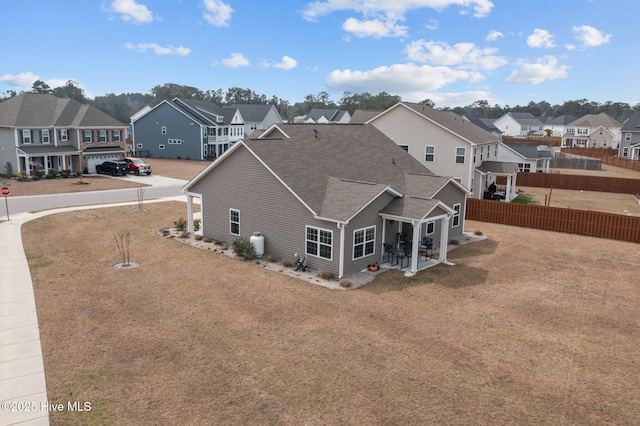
x=627, y=136
x=427, y=153
x=232, y=222
x=405, y=147
x=161, y=146
x=100, y=136
x=625, y=151
x=26, y=136
x=138, y=145
x=116, y=138
x=456, y=215
x=84, y=133
x=464, y=155
x=64, y=135
x=431, y=224
x=318, y=243
x=48, y=136
x=364, y=243
x=163, y=130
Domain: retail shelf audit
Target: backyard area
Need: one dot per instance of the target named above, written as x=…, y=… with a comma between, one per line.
x=529, y=327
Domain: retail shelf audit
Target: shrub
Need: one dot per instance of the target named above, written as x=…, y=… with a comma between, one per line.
x=478, y=233
x=183, y=234
x=245, y=248
x=65, y=173
x=287, y=263
x=198, y=237
x=51, y=175
x=78, y=173
x=325, y=275
x=196, y=224
x=271, y=258
x=180, y=224
x=345, y=283
x=454, y=242
x=22, y=175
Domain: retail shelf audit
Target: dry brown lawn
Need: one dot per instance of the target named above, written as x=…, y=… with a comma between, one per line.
x=586, y=200
x=530, y=327
x=179, y=169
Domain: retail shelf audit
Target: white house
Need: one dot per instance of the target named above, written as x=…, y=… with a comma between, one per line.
x=519, y=124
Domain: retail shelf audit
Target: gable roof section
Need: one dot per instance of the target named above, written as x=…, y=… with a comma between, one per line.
x=346, y=198
x=561, y=120
x=253, y=113
x=632, y=124
x=484, y=123
x=44, y=110
x=531, y=152
x=203, y=112
x=596, y=120
x=361, y=116
x=449, y=121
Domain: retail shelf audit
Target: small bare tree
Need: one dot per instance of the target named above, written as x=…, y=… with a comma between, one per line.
x=140, y=199
x=122, y=241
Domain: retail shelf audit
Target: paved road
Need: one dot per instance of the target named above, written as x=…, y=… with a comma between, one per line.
x=162, y=187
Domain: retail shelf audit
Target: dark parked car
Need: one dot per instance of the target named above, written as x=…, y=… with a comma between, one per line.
x=113, y=168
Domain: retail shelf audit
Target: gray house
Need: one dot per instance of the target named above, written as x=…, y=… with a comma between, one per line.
x=341, y=194
x=186, y=128
x=256, y=117
x=41, y=131
x=630, y=138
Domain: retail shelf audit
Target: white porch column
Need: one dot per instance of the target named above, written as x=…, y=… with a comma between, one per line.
x=508, y=191
x=383, y=239
x=341, y=226
x=444, y=238
x=513, y=186
x=46, y=164
x=414, y=246
x=190, y=213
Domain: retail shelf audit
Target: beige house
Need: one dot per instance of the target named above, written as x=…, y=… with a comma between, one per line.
x=448, y=145
x=593, y=131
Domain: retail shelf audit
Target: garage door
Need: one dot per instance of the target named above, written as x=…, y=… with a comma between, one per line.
x=99, y=159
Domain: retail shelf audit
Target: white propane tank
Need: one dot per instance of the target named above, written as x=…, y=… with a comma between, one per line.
x=258, y=242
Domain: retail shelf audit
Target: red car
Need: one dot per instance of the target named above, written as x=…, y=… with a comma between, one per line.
x=137, y=166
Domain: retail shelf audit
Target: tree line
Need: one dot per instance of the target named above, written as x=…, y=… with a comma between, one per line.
x=124, y=105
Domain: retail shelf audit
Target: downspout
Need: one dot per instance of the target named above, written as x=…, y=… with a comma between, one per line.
x=341, y=227
x=471, y=167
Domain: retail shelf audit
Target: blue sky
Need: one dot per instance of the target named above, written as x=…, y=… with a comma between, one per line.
x=454, y=52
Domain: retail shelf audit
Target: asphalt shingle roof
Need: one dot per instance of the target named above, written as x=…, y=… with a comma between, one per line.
x=596, y=120
x=336, y=169
x=44, y=110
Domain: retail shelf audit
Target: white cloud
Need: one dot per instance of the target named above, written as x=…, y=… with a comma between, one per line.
x=432, y=25
x=159, y=50
x=59, y=82
x=391, y=8
x=494, y=35
x=131, y=11
x=23, y=80
x=540, y=38
x=590, y=37
x=236, y=60
x=570, y=46
x=374, y=28
x=287, y=63
x=544, y=69
x=398, y=78
x=464, y=55
x=217, y=13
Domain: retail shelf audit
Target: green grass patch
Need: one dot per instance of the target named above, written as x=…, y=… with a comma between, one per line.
x=524, y=199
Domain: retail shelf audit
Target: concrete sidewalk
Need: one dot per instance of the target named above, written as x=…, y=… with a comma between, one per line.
x=23, y=392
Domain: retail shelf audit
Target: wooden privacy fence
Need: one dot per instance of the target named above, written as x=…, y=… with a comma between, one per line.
x=576, y=182
x=606, y=155
x=581, y=222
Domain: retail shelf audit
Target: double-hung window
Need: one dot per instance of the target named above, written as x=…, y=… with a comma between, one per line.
x=319, y=242
x=46, y=138
x=26, y=136
x=364, y=241
x=102, y=135
x=455, y=220
x=429, y=153
x=460, y=154
x=87, y=136
x=64, y=135
x=627, y=136
x=116, y=135
x=234, y=222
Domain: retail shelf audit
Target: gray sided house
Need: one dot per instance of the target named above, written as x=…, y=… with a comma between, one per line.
x=336, y=193
x=41, y=131
x=630, y=137
x=256, y=117
x=186, y=128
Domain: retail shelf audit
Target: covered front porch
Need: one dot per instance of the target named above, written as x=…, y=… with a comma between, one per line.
x=415, y=234
x=57, y=158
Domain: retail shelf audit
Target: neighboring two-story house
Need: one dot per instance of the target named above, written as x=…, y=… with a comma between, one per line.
x=520, y=124
x=41, y=131
x=630, y=138
x=558, y=125
x=593, y=131
x=256, y=117
x=530, y=159
x=448, y=145
x=186, y=128
x=327, y=115
x=340, y=194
